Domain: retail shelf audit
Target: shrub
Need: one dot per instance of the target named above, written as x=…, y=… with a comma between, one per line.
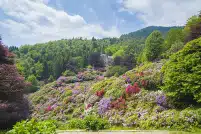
x=90, y=122
x=182, y=73
x=94, y=123
x=133, y=89
x=118, y=70
x=103, y=105
x=120, y=103
x=33, y=127
x=100, y=93
x=76, y=124
x=68, y=73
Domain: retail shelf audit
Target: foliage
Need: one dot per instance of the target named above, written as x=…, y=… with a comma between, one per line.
x=51, y=78
x=112, y=70
x=89, y=123
x=182, y=73
x=173, y=35
x=55, y=57
x=13, y=106
x=94, y=123
x=34, y=84
x=76, y=124
x=153, y=45
x=68, y=73
x=175, y=47
x=145, y=32
x=33, y=127
x=95, y=60
x=192, y=29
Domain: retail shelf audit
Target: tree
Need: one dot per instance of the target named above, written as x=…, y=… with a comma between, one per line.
x=153, y=45
x=173, y=35
x=192, y=29
x=95, y=60
x=13, y=106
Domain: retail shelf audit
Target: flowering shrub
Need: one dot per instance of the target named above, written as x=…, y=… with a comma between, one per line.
x=88, y=106
x=120, y=103
x=103, y=105
x=161, y=100
x=133, y=89
x=100, y=93
x=49, y=108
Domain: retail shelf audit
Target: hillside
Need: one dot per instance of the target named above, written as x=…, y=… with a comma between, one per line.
x=145, y=32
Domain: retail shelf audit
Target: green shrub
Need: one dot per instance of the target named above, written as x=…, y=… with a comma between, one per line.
x=90, y=122
x=94, y=123
x=68, y=73
x=182, y=73
x=76, y=124
x=115, y=70
x=33, y=127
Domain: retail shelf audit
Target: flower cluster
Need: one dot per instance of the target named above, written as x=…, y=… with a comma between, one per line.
x=120, y=103
x=127, y=79
x=133, y=89
x=100, y=93
x=88, y=106
x=161, y=100
x=103, y=105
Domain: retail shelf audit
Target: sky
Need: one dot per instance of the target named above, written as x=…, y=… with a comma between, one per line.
x=37, y=21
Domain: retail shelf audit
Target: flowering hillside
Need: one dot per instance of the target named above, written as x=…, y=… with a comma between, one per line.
x=131, y=101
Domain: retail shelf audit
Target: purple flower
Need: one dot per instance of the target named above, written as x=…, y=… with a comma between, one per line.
x=103, y=105
x=161, y=100
x=61, y=79
x=75, y=91
x=128, y=80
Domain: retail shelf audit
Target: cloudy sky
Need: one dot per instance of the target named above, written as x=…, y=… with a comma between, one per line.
x=35, y=21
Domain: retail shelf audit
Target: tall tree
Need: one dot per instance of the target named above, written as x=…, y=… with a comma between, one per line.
x=153, y=45
x=13, y=106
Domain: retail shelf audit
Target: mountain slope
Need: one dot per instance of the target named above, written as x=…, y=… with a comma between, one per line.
x=145, y=32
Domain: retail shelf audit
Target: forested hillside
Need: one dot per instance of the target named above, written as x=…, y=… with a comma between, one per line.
x=145, y=32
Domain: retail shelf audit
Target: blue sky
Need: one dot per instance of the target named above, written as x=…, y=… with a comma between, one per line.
x=37, y=21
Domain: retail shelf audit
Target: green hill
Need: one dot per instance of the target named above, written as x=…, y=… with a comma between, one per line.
x=145, y=32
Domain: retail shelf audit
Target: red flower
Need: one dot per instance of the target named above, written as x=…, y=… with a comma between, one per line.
x=88, y=106
x=120, y=103
x=144, y=83
x=49, y=108
x=133, y=89
x=100, y=93
x=141, y=74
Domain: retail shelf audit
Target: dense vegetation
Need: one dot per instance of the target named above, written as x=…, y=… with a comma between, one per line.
x=149, y=81
x=13, y=106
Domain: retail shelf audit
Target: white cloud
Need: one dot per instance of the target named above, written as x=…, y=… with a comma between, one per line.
x=162, y=12
x=34, y=21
